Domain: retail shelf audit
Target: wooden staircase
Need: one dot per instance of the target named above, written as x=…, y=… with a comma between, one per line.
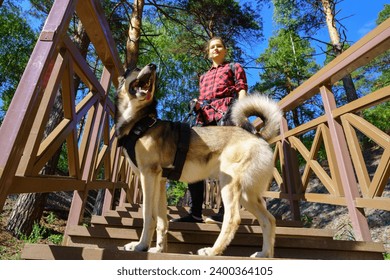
x=107, y=234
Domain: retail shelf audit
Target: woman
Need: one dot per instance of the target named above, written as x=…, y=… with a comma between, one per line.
x=223, y=83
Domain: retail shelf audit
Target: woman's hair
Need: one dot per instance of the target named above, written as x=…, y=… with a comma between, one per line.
x=207, y=47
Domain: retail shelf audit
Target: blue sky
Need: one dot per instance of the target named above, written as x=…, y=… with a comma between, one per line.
x=359, y=18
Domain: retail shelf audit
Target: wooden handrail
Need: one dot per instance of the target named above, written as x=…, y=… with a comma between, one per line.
x=370, y=46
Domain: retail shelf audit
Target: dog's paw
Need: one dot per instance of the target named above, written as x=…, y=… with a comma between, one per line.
x=206, y=252
x=262, y=254
x=135, y=246
x=155, y=250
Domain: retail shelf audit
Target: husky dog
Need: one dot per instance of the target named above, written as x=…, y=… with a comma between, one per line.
x=241, y=160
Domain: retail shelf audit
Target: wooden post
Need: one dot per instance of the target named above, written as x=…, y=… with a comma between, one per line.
x=94, y=136
x=291, y=178
x=344, y=165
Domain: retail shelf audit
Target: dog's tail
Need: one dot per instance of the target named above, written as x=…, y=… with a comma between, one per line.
x=261, y=106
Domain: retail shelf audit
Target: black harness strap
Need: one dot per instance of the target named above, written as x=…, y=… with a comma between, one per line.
x=183, y=144
x=129, y=141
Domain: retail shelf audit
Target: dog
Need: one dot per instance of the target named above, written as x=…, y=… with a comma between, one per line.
x=241, y=160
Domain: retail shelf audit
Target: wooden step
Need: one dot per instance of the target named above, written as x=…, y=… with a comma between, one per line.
x=55, y=252
x=244, y=228
x=288, y=244
x=176, y=212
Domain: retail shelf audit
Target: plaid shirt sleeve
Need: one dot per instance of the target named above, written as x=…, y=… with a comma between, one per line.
x=218, y=88
x=241, y=83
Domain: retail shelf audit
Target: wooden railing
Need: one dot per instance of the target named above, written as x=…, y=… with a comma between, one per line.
x=95, y=162
x=336, y=129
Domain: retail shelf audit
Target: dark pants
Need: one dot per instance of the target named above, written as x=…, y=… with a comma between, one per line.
x=196, y=199
x=197, y=189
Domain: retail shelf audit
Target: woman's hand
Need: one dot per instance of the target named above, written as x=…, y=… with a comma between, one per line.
x=197, y=103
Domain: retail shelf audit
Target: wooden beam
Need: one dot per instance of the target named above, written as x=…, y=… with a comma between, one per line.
x=23, y=108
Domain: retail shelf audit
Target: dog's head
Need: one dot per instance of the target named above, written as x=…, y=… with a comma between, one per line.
x=135, y=97
x=139, y=83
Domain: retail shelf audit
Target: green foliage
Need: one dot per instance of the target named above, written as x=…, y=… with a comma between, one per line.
x=384, y=14
x=379, y=116
x=41, y=232
x=51, y=218
x=175, y=191
x=286, y=63
x=386, y=256
x=38, y=232
x=56, y=238
x=17, y=42
x=307, y=220
x=302, y=16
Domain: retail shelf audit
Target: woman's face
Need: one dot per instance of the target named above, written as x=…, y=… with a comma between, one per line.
x=217, y=49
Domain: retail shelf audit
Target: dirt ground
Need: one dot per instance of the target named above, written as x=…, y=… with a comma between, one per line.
x=52, y=224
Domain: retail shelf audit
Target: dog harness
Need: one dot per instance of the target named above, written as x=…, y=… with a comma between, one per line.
x=172, y=173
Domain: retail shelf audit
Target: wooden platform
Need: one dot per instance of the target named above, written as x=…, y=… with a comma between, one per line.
x=107, y=234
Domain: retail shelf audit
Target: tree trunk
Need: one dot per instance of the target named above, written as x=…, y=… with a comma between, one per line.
x=329, y=10
x=29, y=207
x=99, y=200
x=27, y=211
x=132, y=46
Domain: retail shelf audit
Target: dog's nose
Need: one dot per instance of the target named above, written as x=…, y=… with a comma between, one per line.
x=152, y=66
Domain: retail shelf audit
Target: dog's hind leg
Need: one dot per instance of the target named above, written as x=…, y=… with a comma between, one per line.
x=162, y=220
x=231, y=220
x=150, y=182
x=255, y=204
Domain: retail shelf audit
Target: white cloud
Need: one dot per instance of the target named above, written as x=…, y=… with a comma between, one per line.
x=367, y=27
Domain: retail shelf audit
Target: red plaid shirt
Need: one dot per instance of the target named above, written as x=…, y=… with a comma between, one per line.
x=217, y=91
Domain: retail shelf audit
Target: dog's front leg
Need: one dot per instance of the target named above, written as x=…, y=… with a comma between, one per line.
x=162, y=220
x=149, y=212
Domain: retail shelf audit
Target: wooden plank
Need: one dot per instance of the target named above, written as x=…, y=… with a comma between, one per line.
x=357, y=156
x=46, y=184
x=303, y=128
x=97, y=28
x=117, y=221
x=345, y=166
x=135, y=225
x=55, y=252
x=369, y=130
x=367, y=101
x=374, y=203
x=135, y=211
x=246, y=244
x=313, y=164
x=26, y=166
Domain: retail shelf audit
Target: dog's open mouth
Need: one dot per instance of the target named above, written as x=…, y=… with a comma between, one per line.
x=143, y=86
